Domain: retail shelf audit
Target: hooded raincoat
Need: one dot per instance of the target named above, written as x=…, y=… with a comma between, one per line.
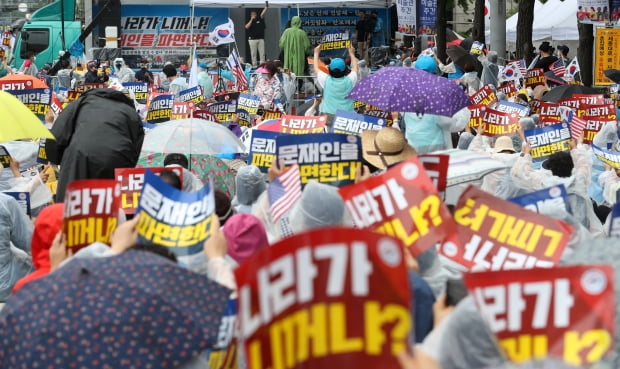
x=47, y=225
x=295, y=45
x=97, y=133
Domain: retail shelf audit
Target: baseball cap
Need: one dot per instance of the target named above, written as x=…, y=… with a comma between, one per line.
x=337, y=64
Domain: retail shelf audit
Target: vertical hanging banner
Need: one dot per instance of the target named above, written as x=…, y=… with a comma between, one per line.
x=132, y=181
x=496, y=123
x=140, y=91
x=224, y=111
x=262, y=149
x=495, y=234
x=160, y=108
x=485, y=96
x=91, y=211
x=35, y=99
x=596, y=116
x=427, y=17
x=562, y=312
x=351, y=123
x=247, y=106
x=548, y=140
x=606, y=53
x=179, y=220
x=593, y=11
x=298, y=125
x=407, y=17
x=335, y=297
x=402, y=203
x=330, y=158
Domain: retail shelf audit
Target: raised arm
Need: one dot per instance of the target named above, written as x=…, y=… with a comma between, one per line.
x=354, y=66
x=262, y=14
x=315, y=63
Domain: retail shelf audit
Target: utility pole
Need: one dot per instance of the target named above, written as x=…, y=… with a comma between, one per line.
x=498, y=27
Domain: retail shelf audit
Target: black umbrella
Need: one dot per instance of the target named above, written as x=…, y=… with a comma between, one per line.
x=566, y=91
x=460, y=56
x=612, y=74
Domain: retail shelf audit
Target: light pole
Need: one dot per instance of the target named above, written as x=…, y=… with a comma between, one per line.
x=498, y=27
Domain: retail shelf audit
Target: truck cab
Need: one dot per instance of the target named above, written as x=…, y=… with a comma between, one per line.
x=43, y=33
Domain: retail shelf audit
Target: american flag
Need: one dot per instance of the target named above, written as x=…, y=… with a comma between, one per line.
x=558, y=68
x=519, y=64
x=576, y=126
x=241, y=82
x=284, y=192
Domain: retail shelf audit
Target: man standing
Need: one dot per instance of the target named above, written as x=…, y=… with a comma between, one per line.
x=256, y=37
x=378, y=36
x=363, y=33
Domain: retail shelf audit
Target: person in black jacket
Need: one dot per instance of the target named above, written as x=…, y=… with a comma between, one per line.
x=546, y=57
x=95, y=134
x=95, y=74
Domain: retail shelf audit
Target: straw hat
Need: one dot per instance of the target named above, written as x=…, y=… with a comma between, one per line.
x=385, y=147
x=503, y=143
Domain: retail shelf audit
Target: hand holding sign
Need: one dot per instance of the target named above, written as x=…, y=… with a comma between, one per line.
x=125, y=236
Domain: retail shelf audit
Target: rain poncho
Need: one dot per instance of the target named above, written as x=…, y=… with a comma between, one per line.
x=250, y=183
x=205, y=81
x=490, y=70
x=576, y=185
x=427, y=133
x=320, y=206
x=497, y=183
x=47, y=225
x=295, y=44
x=15, y=232
x=467, y=343
x=97, y=133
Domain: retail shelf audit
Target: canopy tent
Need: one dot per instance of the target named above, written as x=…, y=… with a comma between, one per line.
x=293, y=3
x=556, y=20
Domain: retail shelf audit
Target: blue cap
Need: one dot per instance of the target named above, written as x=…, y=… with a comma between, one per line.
x=337, y=64
x=203, y=65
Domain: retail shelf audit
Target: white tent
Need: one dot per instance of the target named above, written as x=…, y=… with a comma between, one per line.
x=556, y=20
x=292, y=3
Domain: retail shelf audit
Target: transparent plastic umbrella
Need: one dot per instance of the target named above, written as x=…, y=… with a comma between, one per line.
x=192, y=136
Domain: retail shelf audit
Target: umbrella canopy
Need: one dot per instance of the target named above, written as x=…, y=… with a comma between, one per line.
x=612, y=74
x=566, y=91
x=203, y=166
x=192, y=136
x=468, y=166
x=399, y=89
x=27, y=80
x=135, y=310
x=18, y=122
x=460, y=56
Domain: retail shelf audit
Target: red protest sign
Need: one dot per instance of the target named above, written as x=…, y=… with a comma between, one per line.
x=206, y=115
x=89, y=86
x=336, y=297
x=549, y=113
x=496, y=234
x=597, y=99
x=91, y=211
x=509, y=89
x=535, y=106
x=571, y=102
x=300, y=125
x=131, y=181
x=181, y=110
x=16, y=84
x=56, y=105
x=596, y=116
x=535, y=77
x=497, y=123
x=436, y=166
x=484, y=96
x=403, y=203
x=476, y=113
x=563, y=312
x=373, y=111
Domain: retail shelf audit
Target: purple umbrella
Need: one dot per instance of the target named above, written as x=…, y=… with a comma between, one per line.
x=399, y=89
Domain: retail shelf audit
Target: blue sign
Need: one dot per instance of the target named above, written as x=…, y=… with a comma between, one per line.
x=23, y=199
x=160, y=109
x=330, y=158
x=546, y=141
x=351, y=123
x=427, y=17
x=549, y=198
x=510, y=107
x=247, y=106
x=35, y=99
x=140, y=91
x=263, y=149
x=179, y=220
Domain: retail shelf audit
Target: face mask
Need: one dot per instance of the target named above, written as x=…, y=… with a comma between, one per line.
x=264, y=76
